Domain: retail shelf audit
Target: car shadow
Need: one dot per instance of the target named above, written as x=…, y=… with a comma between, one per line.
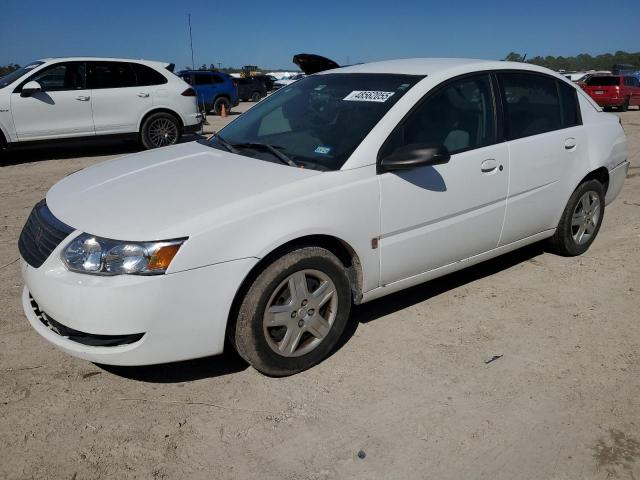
x=230, y=362
x=74, y=149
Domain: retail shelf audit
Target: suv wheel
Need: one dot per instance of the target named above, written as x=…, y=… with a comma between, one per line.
x=219, y=102
x=625, y=106
x=255, y=97
x=160, y=130
x=294, y=313
x=581, y=220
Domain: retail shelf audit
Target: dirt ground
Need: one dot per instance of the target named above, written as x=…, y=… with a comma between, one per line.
x=409, y=390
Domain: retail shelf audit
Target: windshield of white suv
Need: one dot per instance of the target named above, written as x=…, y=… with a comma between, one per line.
x=316, y=122
x=16, y=74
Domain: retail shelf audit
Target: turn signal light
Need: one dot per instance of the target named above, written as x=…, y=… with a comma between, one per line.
x=162, y=257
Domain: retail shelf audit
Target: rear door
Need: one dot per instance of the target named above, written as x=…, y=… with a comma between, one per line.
x=547, y=146
x=118, y=102
x=61, y=110
x=633, y=84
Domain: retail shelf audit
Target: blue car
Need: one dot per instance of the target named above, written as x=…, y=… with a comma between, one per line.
x=214, y=89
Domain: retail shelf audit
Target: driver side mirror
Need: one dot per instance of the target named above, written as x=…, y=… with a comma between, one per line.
x=414, y=155
x=30, y=88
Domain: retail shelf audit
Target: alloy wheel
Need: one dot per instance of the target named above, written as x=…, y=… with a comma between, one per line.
x=163, y=132
x=585, y=217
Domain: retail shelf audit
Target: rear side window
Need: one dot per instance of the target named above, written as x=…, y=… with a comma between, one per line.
x=570, y=107
x=110, y=75
x=603, y=81
x=147, y=76
x=217, y=79
x=61, y=77
x=532, y=104
x=203, y=79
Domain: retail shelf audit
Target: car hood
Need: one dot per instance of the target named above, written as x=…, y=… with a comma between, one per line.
x=167, y=193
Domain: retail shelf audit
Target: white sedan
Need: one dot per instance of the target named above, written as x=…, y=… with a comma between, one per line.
x=341, y=188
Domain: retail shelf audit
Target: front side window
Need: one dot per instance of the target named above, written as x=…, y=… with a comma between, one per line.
x=532, y=104
x=459, y=116
x=61, y=77
x=110, y=75
x=317, y=122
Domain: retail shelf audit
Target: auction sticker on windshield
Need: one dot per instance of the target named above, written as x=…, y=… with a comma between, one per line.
x=368, y=96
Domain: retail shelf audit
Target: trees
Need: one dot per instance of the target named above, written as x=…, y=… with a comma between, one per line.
x=7, y=69
x=584, y=61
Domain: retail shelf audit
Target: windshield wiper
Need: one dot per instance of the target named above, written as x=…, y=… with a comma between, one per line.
x=224, y=143
x=271, y=148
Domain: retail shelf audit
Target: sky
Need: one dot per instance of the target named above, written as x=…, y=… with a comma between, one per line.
x=268, y=34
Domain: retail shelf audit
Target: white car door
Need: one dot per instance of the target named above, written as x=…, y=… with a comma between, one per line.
x=547, y=144
x=432, y=216
x=117, y=100
x=61, y=110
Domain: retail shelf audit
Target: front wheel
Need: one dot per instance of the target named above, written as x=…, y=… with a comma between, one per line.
x=160, y=130
x=294, y=313
x=255, y=97
x=581, y=220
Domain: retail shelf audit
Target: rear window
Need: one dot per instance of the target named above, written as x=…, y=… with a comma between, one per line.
x=603, y=81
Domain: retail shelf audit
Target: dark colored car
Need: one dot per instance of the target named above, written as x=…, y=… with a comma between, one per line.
x=268, y=80
x=214, y=89
x=620, y=91
x=250, y=88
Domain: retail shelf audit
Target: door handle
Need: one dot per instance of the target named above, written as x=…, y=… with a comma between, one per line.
x=143, y=95
x=489, y=165
x=82, y=98
x=570, y=143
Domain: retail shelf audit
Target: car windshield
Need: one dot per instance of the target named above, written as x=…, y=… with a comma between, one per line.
x=316, y=122
x=16, y=74
x=603, y=81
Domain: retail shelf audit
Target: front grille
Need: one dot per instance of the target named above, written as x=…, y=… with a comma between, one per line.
x=41, y=235
x=82, y=337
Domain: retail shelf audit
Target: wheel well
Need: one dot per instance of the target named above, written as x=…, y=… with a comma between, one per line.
x=340, y=249
x=3, y=141
x=161, y=110
x=222, y=95
x=601, y=174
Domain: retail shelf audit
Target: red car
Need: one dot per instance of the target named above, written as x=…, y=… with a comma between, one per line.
x=621, y=91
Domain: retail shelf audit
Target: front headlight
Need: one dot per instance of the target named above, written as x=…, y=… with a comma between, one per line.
x=89, y=254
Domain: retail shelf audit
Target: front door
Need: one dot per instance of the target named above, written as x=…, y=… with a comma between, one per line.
x=62, y=109
x=433, y=216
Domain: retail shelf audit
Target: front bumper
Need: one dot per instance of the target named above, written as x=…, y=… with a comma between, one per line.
x=180, y=315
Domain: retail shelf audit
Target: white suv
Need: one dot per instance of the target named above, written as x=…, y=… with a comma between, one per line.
x=64, y=98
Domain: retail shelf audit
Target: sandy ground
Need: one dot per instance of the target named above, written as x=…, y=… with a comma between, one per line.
x=409, y=388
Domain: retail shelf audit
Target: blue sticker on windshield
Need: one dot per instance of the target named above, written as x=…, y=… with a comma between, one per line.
x=322, y=150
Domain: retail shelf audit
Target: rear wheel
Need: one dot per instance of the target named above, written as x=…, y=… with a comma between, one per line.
x=625, y=106
x=255, y=97
x=160, y=130
x=219, y=103
x=294, y=312
x=581, y=220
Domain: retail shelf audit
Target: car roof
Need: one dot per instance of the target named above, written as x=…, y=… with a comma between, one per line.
x=106, y=59
x=205, y=72
x=433, y=66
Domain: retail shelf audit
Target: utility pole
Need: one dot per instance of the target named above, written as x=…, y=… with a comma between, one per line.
x=193, y=65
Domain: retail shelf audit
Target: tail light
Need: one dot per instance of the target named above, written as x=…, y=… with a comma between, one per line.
x=235, y=84
x=189, y=92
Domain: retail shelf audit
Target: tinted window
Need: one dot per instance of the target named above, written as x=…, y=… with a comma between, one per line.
x=147, y=76
x=603, y=81
x=531, y=103
x=217, y=79
x=62, y=76
x=203, y=79
x=570, y=107
x=111, y=75
x=459, y=116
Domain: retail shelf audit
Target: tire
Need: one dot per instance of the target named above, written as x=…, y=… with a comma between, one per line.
x=625, y=106
x=217, y=105
x=255, y=97
x=307, y=322
x=568, y=240
x=160, y=130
